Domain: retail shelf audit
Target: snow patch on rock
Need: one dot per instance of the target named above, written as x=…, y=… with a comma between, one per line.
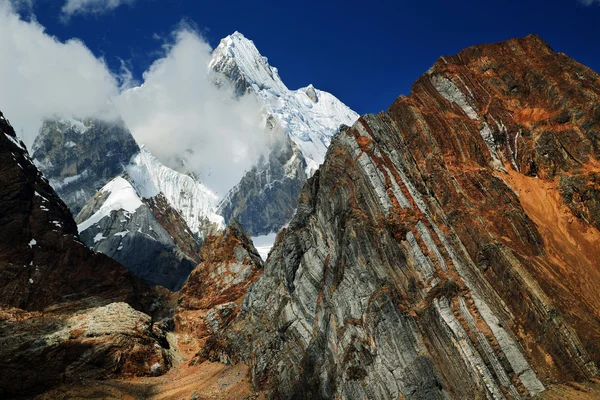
x=122, y=196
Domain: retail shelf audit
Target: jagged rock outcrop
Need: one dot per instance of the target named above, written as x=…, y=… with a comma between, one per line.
x=447, y=247
x=65, y=311
x=210, y=299
x=79, y=156
x=267, y=196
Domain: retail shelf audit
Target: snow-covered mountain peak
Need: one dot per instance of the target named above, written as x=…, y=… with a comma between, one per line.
x=238, y=58
x=309, y=116
x=120, y=195
x=194, y=201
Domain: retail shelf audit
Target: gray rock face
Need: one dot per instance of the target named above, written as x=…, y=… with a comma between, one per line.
x=267, y=195
x=413, y=267
x=80, y=156
x=139, y=242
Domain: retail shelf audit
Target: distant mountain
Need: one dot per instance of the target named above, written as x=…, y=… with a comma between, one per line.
x=129, y=206
x=79, y=156
x=266, y=197
x=151, y=219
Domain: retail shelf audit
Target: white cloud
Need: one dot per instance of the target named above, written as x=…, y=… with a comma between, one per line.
x=589, y=2
x=72, y=7
x=41, y=76
x=178, y=112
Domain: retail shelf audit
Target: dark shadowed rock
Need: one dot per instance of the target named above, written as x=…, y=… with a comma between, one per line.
x=66, y=313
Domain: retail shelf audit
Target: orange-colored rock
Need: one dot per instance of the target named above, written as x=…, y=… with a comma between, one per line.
x=448, y=247
x=211, y=297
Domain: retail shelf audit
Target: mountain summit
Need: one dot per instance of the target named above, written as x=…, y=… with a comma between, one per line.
x=266, y=197
x=308, y=115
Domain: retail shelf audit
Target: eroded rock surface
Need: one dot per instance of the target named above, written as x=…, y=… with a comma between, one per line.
x=211, y=298
x=421, y=263
x=66, y=313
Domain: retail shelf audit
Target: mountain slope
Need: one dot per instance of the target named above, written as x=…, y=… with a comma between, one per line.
x=152, y=220
x=66, y=313
x=79, y=156
x=307, y=116
x=435, y=254
x=194, y=201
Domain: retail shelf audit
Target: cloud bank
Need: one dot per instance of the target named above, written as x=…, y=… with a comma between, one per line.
x=177, y=112
x=180, y=115
x=72, y=7
x=41, y=76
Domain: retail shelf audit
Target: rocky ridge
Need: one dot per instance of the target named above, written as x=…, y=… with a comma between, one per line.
x=446, y=248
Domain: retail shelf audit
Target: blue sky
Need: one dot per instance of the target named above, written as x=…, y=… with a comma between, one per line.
x=366, y=53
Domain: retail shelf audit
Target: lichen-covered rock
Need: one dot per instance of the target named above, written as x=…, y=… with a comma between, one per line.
x=431, y=256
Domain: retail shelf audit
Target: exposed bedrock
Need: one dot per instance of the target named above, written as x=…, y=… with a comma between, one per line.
x=422, y=262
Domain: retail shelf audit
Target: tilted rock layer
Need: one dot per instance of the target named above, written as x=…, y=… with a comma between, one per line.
x=447, y=248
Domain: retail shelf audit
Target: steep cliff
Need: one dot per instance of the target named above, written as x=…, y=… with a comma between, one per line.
x=66, y=313
x=79, y=156
x=447, y=248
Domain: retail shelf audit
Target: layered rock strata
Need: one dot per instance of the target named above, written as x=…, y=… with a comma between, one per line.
x=447, y=248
